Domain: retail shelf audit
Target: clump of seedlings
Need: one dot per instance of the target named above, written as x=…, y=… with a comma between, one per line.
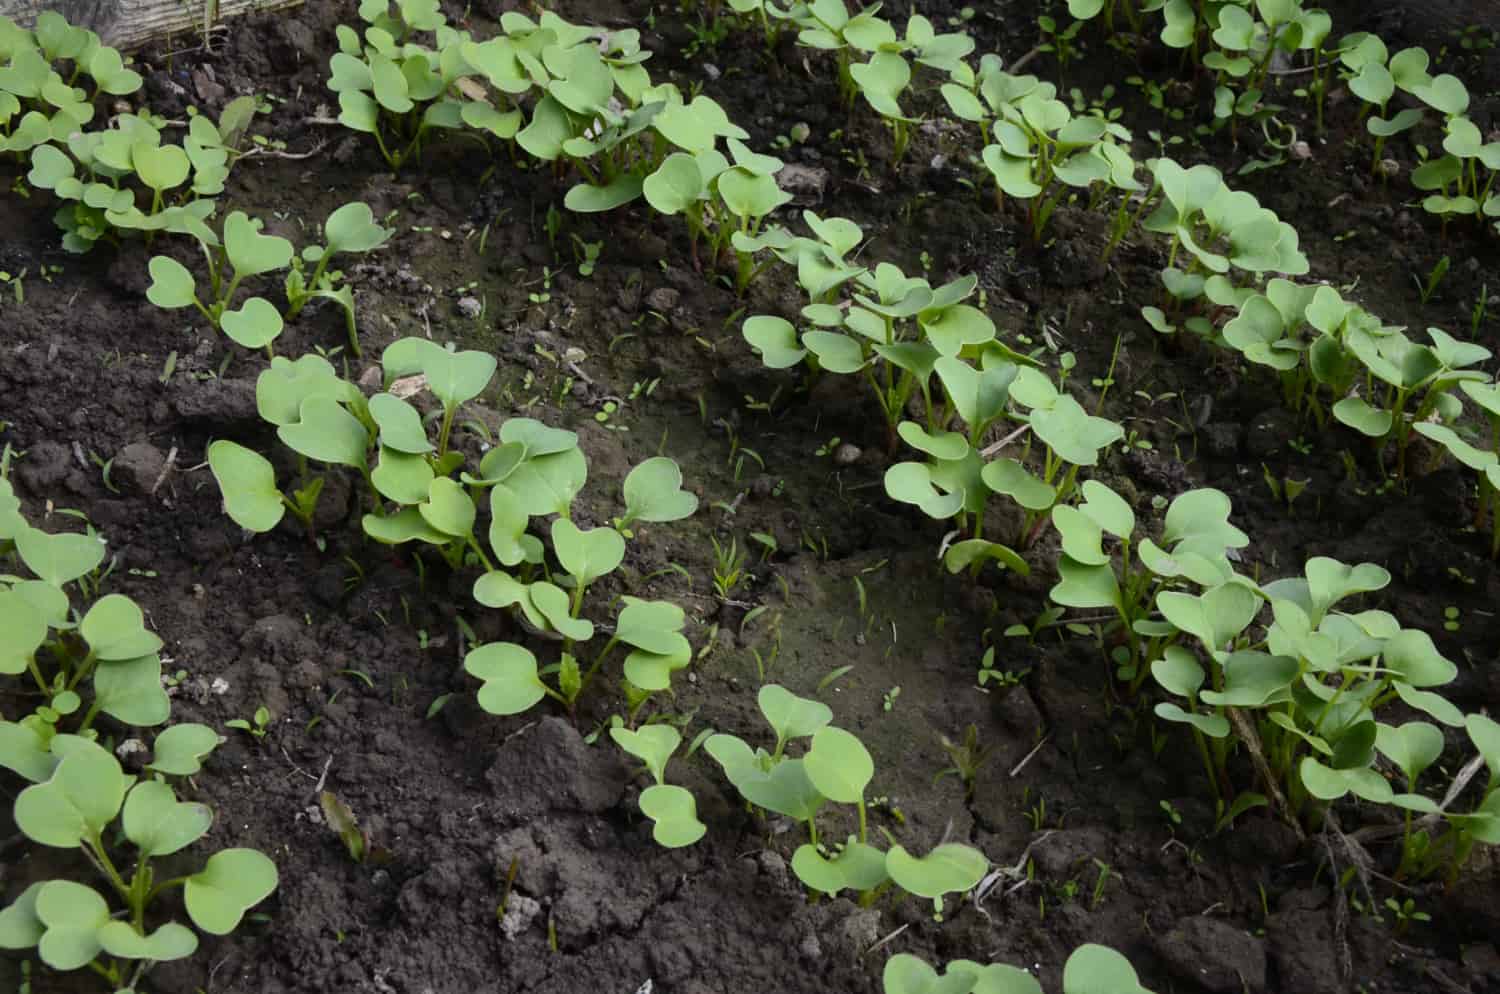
x=835, y=768
x=85, y=801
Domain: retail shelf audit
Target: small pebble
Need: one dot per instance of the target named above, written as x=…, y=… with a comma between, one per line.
x=847, y=454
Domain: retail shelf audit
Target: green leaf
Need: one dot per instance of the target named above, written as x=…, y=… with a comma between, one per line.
x=965, y=554
x=1215, y=726
x=160, y=167
x=1329, y=784
x=587, y=555
x=407, y=525
x=281, y=389
x=835, y=352
x=23, y=629
x=750, y=195
x=60, y=558
x=1081, y=585
x=77, y=801
x=654, y=626
x=448, y=508
x=951, y=867
x=792, y=717
x=584, y=198
x=115, y=628
x=859, y=866
x=653, y=492
x=250, y=252
x=676, y=186
x=907, y=974
x=1009, y=477
x=1072, y=433
x=1413, y=747
x=652, y=745
x=20, y=928
x=839, y=766
x=171, y=284
x=327, y=432
x=232, y=882
x=169, y=942
x=1095, y=969
x=1252, y=680
x=652, y=671
x=1359, y=415
x=179, y=750
x=548, y=484
x=131, y=691
x=675, y=813
x=158, y=823
x=247, y=483
x=509, y=676
x=72, y=915
x=352, y=228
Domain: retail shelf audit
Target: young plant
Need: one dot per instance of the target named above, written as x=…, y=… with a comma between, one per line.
x=1195, y=543
x=1090, y=969
x=244, y=252
x=350, y=228
x=87, y=802
x=392, y=87
x=107, y=651
x=672, y=809
x=37, y=104
x=537, y=471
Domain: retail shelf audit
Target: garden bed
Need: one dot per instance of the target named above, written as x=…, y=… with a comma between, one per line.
x=355, y=651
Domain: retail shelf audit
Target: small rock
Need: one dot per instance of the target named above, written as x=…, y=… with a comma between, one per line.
x=810, y=948
x=128, y=748
x=470, y=308
x=663, y=299
x=773, y=866
x=806, y=184
x=519, y=914
x=847, y=454
x=860, y=931
x=1220, y=440
x=137, y=466
x=1300, y=150
x=1214, y=955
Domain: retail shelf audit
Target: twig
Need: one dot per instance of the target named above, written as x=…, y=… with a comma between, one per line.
x=323, y=777
x=166, y=468
x=1020, y=63
x=1027, y=758
x=261, y=152
x=1248, y=736
x=990, y=450
x=887, y=939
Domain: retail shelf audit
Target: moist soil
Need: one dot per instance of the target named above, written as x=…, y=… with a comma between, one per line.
x=1102, y=820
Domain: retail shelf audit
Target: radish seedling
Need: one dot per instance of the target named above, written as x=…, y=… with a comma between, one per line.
x=350, y=228
x=1090, y=969
x=108, y=648
x=671, y=808
x=244, y=252
x=394, y=88
x=70, y=924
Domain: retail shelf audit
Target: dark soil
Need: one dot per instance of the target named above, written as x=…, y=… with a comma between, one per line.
x=351, y=648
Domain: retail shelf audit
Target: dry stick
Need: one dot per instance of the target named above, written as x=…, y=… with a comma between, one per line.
x=1376, y=832
x=166, y=468
x=990, y=450
x=1020, y=63
x=1247, y=735
x=261, y=152
x=1027, y=758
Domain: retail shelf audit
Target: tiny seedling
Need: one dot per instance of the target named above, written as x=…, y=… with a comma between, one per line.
x=257, y=725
